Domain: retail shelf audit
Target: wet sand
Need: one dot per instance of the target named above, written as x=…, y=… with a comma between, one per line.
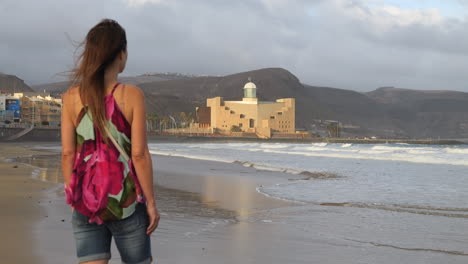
x=20, y=202
x=212, y=213
x=195, y=198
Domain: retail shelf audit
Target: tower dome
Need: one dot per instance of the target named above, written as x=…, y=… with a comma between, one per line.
x=250, y=85
x=250, y=90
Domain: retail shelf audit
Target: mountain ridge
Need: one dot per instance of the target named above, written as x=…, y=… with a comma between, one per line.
x=383, y=112
x=13, y=84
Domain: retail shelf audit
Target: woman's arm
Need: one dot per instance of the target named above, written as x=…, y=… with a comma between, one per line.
x=68, y=138
x=141, y=157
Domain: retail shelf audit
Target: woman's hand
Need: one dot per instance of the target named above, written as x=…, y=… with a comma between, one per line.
x=154, y=217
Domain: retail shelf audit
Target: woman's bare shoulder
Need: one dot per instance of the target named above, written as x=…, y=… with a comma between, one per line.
x=133, y=94
x=72, y=90
x=71, y=94
x=133, y=89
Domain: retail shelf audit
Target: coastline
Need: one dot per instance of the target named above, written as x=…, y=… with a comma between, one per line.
x=53, y=135
x=180, y=138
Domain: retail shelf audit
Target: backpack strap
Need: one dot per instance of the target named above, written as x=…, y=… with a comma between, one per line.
x=116, y=144
x=115, y=86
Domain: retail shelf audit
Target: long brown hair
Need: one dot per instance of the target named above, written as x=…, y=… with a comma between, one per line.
x=103, y=43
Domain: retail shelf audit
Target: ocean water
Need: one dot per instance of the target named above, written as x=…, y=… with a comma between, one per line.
x=423, y=178
x=403, y=200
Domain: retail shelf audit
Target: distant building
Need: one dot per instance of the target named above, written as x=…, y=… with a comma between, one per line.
x=203, y=116
x=12, y=108
x=33, y=108
x=2, y=102
x=42, y=110
x=249, y=115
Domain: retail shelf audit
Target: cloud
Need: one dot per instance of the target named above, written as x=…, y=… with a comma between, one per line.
x=360, y=44
x=138, y=3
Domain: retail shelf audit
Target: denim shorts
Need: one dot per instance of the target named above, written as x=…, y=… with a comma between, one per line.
x=93, y=242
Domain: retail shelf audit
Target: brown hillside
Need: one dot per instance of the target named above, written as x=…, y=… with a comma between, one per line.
x=12, y=84
x=385, y=112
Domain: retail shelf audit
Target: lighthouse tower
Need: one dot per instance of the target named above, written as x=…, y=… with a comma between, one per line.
x=250, y=92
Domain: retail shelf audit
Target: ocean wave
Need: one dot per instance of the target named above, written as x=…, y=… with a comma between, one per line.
x=395, y=157
x=269, y=168
x=361, y=154
x=154, y=152
x=239, y=144
x=324, y=144
x=389, y=148
x=413, y=209
x=417, y=151
x=412, y=150
x=257, y=166
x=210, y=146
x=456, y=150
x=401, y=208
x=312, y=148
x=274, y=146
x=232, y=151
x=253, y=149
x=259, y=190
x=49, y=148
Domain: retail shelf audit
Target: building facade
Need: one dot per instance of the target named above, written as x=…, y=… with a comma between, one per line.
x=41, y=110
x=12, y=108
x=2, y=102
x=250, y=114
x=30, y=108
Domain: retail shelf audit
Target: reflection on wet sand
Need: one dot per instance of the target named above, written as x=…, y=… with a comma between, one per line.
x=48, y=167
x=234, y=194
x=219, y=201
x=232, y=200
x=180, y=203
x=170, y=201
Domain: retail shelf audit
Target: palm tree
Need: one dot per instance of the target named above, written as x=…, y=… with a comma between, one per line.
x=334, y=130
x=151, y=118
x=164, y=122
x=183, y=119
x=190, y=117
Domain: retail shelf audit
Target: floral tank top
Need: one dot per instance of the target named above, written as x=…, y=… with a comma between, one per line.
x=103, y=185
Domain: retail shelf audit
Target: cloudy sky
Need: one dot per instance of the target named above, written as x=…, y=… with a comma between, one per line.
x=350, y=44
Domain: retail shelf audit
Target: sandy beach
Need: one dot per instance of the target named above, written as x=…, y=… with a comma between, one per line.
x=194, y=200
x=21, y=198
x=211, y=212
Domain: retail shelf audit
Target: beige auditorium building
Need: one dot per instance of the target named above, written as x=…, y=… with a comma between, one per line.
x=249, y=115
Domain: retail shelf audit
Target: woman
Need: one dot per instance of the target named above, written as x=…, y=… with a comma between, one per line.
x=106, y=164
